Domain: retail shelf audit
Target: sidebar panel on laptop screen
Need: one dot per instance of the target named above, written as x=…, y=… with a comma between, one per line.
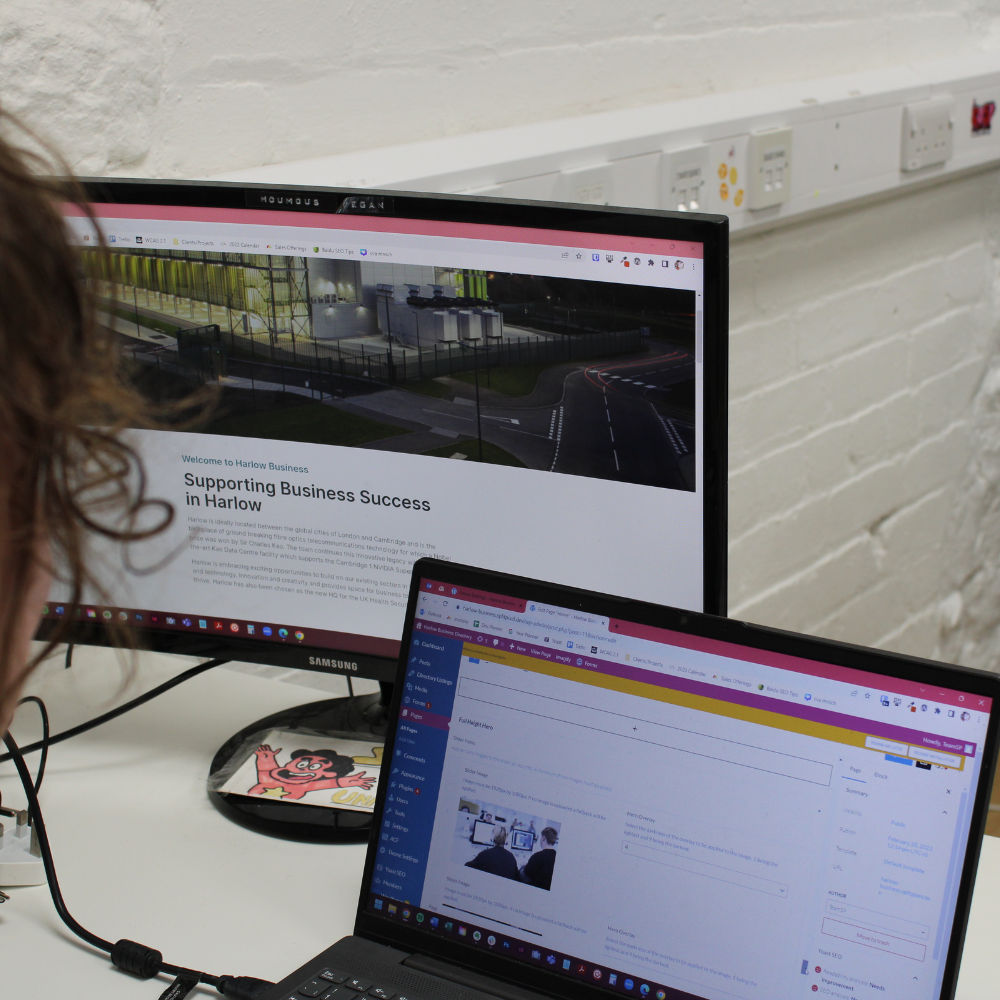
x=395, y=388
x=665, y=815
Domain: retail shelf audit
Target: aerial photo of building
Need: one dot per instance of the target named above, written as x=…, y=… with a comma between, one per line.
x=568, y=376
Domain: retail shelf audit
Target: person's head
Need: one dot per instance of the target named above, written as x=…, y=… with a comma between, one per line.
x=65, y=476
x=499, y=836
x=549, y=837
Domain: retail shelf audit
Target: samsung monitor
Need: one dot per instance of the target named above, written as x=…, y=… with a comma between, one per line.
x=535, y=388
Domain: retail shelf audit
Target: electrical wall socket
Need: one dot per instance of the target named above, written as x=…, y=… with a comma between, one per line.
x=848, y=145
x=927, y=133
x=769, y=168
x=684, y=176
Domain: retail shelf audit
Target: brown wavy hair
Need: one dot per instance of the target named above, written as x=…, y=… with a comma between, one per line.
x=64, y=399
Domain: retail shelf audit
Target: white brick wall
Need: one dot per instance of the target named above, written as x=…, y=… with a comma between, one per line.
x=865, y=373
x=864, y=383
x=187, y=88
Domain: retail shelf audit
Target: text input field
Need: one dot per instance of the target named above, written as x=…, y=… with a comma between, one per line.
x=645, y=731
x=878, y=921
x=696, y=867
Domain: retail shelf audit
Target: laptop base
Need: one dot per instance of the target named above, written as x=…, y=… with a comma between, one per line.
x=385, y=970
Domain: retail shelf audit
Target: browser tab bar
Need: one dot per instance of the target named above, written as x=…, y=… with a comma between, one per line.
x=467, y=594
x=789, y=683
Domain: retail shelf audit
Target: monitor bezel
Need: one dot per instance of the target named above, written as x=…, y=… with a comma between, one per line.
x=889, y=664
x=710, y=230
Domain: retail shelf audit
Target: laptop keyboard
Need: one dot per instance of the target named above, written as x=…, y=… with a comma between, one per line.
x=331, y=984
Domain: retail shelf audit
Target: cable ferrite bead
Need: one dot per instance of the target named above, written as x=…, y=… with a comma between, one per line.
x=130, y=956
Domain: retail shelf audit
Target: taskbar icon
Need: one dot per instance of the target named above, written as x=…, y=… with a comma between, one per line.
x=144, y=618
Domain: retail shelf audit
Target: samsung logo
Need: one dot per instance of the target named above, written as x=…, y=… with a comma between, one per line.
x=322, y=661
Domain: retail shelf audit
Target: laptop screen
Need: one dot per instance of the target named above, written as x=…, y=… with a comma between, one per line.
x=665, y=815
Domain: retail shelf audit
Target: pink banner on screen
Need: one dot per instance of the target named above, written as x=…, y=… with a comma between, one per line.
x=410, y=227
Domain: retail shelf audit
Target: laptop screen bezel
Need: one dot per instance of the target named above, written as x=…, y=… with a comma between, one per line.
x=893, y=665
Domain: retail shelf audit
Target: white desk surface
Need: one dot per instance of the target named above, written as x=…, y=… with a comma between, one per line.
x=141, y=853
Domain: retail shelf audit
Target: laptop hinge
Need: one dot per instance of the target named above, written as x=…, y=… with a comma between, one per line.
x=454, y=974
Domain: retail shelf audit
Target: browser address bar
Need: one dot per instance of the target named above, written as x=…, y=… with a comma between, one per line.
x=543, y=626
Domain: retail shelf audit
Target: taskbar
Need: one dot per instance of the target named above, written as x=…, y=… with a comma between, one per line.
x=220, y=627
x=531, y=953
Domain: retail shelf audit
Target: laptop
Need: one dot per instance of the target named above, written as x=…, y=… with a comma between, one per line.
x=592, y=797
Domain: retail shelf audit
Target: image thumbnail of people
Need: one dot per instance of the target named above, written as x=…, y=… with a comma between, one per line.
x=580, y=377
x=506, y=843
x=496, y=860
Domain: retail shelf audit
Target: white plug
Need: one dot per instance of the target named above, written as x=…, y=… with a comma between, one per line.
x=20, y=854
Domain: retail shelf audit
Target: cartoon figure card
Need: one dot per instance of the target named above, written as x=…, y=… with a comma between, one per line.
x=293, y=766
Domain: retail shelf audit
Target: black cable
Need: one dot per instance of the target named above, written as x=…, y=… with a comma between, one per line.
x=43, y=844
x=45, y=736
x=121, y=709
x=129, y=956
x=69, y=656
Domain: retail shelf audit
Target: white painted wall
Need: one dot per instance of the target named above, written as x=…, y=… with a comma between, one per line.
x=865, y=462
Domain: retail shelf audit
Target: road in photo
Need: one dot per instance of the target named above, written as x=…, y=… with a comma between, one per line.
x=626, y=420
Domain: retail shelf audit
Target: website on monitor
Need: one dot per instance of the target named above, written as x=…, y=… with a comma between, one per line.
x=662, y=814
x=391, y=389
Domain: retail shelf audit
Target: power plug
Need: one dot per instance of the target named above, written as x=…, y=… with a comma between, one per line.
x=20, y=856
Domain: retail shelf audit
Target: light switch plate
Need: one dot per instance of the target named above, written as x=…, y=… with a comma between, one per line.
x=769, y=168
x=685, y=172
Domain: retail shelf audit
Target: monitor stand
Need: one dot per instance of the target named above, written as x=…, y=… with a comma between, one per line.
x=356, y=715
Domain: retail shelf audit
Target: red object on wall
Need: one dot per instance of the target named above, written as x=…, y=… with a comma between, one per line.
x=982, y=116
